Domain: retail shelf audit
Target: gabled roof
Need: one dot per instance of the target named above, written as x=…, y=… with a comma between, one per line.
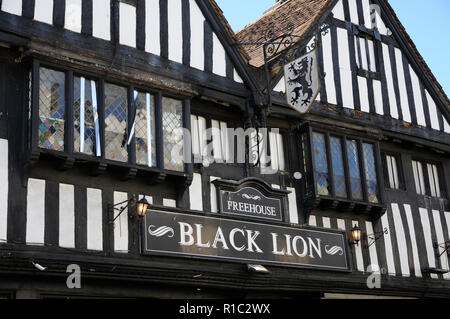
x=302, y=14
x=228, y=28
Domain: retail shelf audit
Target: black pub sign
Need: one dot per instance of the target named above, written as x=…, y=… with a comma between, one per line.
x=250, y=198
x=200, y=236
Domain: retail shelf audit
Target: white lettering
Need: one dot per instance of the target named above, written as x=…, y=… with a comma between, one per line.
x=186, y=232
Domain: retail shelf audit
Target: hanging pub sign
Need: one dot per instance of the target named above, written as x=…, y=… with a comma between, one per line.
x=302, y=82
x=225, y=239
x=251, y=198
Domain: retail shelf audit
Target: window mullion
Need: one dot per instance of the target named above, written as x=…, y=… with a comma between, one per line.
x=131, y=129
x=69, y=123
x=378, y=174
x=35, y=105
x=187, y=151
x=346, y=168
x=101, y=116
x=330, y=166
x=159, y=131
x=362, y=170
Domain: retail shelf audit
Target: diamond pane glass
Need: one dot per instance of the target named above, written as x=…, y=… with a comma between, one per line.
x=172, y=120
x=353, y=166
x=338, y=167
x=84, y=142
x=145, y=129
x=370, y=172
x=321, y=165
x=116, y=114
x=51, y=109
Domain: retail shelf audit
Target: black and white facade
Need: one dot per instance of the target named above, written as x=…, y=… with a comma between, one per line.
x=94, y=95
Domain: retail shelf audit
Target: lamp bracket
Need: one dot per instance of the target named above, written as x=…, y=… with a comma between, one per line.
x=121, y=209
x=375, y=236
x=445, y=246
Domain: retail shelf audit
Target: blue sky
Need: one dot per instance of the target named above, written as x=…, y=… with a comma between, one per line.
x=425, y=22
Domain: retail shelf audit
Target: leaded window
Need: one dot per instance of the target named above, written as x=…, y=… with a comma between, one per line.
x=86, y=126
x=51, y=109
x=172, y=120
x=84, y=117
x=116, y=119
x=370, y=173
x=320, y=164
x=353, y=166
x=145, y=129
x=338, y=167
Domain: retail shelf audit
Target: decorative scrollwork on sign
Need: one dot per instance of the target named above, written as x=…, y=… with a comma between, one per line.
x=256, y=197
x=334, y=250
x=161, y=231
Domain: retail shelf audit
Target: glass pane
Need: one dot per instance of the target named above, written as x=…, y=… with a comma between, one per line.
x=338, y=167
x=371, y=175
x=51, y=109
x=353, y=166
x=116, y=114
x=145, y=129
x=172, y=120
x=84, y=141
x=321, y=166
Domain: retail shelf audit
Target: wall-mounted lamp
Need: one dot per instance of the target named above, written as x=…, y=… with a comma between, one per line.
x=260, y=269
x=355, y=234
x=139, y=206
x=445, y=246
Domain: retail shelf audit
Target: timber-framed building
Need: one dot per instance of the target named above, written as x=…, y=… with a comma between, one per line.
x=94, y=95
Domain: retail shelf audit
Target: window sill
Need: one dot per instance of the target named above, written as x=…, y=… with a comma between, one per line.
x=98, y=166
x=322, y=202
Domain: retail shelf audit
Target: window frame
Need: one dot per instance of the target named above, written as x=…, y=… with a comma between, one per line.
x=69, y=155
x=400, y=171
x=426, y=177
x=311, y=175
x=369, y=74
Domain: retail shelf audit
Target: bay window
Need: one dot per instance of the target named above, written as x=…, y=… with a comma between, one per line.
x=340, y=170
x=87, y=118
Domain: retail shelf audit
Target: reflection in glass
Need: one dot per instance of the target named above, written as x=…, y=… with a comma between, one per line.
x=145, y=129
x=116, y=114
x=172, y=120
x=338, y=167
x=51, y=109
x=321, y=166
x=353, y=165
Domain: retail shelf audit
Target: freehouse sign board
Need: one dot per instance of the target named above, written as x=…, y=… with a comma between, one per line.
x=201, y=236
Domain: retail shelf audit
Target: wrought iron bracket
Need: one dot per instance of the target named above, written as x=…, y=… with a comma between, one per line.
x=375, y=236
x=445, y=246
x=117, y=207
